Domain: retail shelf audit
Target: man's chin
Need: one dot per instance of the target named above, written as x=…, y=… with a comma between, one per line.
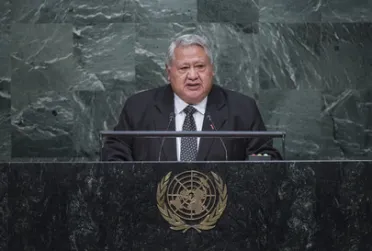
x=194, y=97
x=194, y=88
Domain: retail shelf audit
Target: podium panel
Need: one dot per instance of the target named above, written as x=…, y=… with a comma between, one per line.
x=325, y=205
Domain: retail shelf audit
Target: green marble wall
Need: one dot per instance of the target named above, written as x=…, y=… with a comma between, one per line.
x=67, y=67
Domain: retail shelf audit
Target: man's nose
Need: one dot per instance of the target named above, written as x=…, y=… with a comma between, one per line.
x=193, y=74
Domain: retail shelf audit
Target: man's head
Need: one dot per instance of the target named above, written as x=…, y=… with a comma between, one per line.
x=190, y=68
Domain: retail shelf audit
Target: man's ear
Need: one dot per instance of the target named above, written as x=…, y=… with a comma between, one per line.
x=167, y=72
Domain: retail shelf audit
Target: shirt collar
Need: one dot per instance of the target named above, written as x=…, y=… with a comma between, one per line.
x=179, y=105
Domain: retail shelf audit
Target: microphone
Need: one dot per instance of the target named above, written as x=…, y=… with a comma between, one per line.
x=215, y=129
x=171, y=118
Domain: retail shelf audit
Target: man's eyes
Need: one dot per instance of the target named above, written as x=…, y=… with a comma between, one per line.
x=197, y=66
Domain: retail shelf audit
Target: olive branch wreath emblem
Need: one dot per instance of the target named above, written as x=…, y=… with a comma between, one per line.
x=176, y=222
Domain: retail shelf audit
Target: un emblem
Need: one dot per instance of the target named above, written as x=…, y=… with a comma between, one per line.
x=191, y=200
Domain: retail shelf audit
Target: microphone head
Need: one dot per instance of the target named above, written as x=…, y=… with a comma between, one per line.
x=171, y=116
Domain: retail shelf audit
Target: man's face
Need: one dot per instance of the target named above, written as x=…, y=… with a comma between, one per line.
x=190, y=73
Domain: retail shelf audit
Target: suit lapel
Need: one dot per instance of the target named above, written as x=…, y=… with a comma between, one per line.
x=164, y=107
x=217, y=109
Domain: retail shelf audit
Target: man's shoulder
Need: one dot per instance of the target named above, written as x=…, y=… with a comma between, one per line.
x=145, y=96
x=237, y=97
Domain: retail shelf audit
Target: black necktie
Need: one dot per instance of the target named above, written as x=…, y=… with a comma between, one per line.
x=189, y=145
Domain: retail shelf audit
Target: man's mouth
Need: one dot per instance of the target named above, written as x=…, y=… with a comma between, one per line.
x=193, y=86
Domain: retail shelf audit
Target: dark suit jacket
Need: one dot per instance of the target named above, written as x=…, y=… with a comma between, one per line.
x=150, y=110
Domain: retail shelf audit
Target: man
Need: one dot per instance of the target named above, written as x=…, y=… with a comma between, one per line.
x=189, y=102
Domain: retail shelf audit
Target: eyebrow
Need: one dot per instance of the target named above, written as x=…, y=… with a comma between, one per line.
x=199, y=61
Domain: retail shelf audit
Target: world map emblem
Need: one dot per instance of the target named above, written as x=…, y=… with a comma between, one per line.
x=191, y=200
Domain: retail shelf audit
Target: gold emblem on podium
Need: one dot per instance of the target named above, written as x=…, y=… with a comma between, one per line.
x=191, y=200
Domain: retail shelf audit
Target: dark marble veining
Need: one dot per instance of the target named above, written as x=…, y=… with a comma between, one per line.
x=5, y=122
x=97, y=12
x=97, y=111
x=103, y=206
x=347, y=11
x=289, y=111
x=148, y=11
x=83, y=12
x=331, y=127
x=42, y=114
x=5, y=98
x=77, y=11
x=290, y=11
x=41, y=42
x=351, y=114
x=39, y=11
x=290, y=56
x=5, y=12
x=105, y=52
x=5, y=45
x=236, y=11
x=346, y=57
x=344, y=204
x=346, y=70
x=326, y=57
x=4, y=209
x=328, y=113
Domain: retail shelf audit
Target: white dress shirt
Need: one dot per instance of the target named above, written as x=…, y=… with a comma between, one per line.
x=180, y=115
